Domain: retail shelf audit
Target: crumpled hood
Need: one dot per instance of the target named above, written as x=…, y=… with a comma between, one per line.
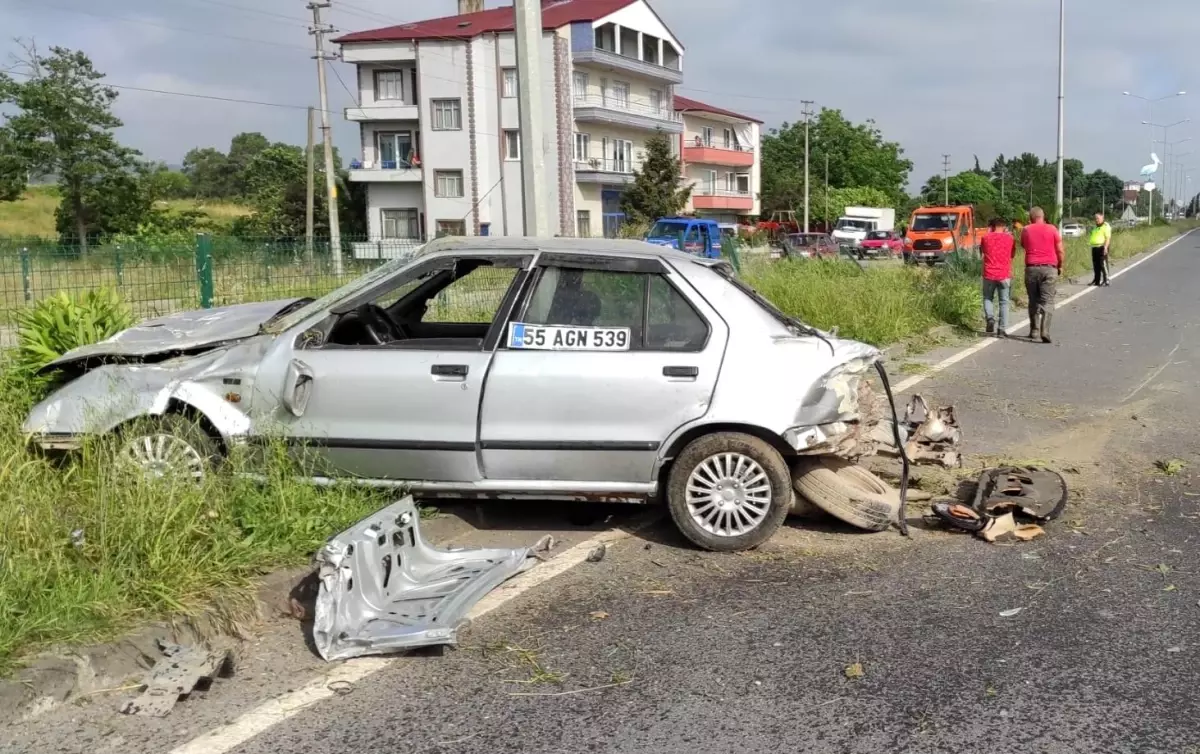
x=185, y=331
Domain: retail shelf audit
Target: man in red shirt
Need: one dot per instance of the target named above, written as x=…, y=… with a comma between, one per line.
x=1043, y=264
x=997, y=249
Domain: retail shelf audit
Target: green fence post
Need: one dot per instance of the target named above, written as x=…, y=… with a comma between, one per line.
x=679, y=240
x=204, y=269
x=729, y=250
x=119, y=263
x=26, y=275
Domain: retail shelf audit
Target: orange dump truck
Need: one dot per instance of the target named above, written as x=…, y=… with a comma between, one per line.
x=934, y=232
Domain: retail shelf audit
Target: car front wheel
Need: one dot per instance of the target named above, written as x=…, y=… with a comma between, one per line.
x=171, y=446
x=729, y=491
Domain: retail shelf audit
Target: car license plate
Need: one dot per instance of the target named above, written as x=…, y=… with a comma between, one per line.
x=565, y=338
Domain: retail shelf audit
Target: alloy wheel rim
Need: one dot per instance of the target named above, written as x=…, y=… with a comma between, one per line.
x=728, y=494
x=159, y=456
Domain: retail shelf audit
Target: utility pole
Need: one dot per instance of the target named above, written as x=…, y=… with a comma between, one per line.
x=946, y=176
x=534, y=189
x=319, y=30
x=827, y=217
x=308, y=197
x=807, y=112
x=1062, y=86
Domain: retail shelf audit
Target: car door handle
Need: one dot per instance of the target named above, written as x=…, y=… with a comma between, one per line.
x=449, y=370
x=688, y=372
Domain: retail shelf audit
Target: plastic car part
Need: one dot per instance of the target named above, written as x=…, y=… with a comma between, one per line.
x=1040, y=494
x=384, y=589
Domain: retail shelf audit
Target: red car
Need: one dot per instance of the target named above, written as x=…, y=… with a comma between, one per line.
x=809, y=245
x=880, y=243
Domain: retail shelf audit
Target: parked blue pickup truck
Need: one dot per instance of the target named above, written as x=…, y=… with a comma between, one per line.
x=690, y=234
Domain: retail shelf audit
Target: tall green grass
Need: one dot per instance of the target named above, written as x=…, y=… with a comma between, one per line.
x=87, y=552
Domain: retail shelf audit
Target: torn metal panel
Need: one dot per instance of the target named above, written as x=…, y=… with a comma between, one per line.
x=183, y=332
x=384, y=589
x=1040, y=494
x=176, y=675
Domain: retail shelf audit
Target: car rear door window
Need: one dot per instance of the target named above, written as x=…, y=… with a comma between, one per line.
x=589, y=298
x=672, y=323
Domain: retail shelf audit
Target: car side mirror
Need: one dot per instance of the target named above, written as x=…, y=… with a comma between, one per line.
x=297, y=387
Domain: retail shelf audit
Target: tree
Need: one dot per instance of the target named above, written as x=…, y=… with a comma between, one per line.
x=160, y=182
x=657, y=189
x=859, y=156
x=208, y=171
x=242, y=149
x=64, y=125
x=841, y=198
x=965, y=188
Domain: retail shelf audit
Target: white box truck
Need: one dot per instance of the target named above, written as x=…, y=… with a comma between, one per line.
x=852, y=228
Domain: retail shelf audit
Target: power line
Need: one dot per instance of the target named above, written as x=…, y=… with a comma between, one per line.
x=256, y=11
x=353, y=97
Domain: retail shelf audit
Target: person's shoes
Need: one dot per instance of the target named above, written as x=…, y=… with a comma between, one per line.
x=1106, y=284
x=1001, y=332
x=1094, y=282
x=991, y=327
x=1034, y=335
x=1045, y=338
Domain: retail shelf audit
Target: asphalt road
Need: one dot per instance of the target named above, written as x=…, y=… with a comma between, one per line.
x=831, y=641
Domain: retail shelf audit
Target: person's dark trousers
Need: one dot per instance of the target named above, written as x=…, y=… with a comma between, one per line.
x=1099, y=269
x=1041, y=284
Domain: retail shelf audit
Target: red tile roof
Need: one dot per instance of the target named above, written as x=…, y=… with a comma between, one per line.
x=555, y=13
x=684, y=104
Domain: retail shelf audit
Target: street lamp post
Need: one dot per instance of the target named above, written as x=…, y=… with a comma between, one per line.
x=1150, y=102
x=1166, y=129
x=1169, y=159
x=1062, y=81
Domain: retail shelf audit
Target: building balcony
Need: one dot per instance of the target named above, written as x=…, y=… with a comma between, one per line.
x=720, y=199
x=384, y=111
x=707, y=154
x=612, y=112
x=607, y=172
x=386, y=171
x=614, y=61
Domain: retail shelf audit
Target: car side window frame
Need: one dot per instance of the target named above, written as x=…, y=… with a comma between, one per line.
x=521, y=262
x=649, y=267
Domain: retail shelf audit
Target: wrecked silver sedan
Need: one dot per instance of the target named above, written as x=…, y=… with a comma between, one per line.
x=497, y=368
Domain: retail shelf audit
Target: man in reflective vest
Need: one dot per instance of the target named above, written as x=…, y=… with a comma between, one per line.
x=1099, y=239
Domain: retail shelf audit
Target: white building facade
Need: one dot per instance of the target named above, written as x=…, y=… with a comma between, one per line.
x=438, y=118
x=722, y=160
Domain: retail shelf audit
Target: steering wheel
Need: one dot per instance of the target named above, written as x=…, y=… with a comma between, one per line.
x=380, y=328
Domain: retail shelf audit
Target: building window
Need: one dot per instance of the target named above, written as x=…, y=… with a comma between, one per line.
x=512, y=145
x=656, y=101
x=743, y=184
x=509, y=83
x=389, y=85
x=620, y=94
x=447, y=114
x=706, y=136
x=396, y=149
x=448, y=184
x=400, y=223
x=580, y=85
x=451, y=228
x=710, y=182
x=583, y=223
x=583, y=147
x=730, y=182
x=730, y=142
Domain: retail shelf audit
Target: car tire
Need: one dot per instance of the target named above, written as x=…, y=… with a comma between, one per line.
x=848, y=492
x=750, y=477
x=171, y=445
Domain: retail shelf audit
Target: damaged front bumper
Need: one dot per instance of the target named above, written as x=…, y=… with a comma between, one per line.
x=384, y=589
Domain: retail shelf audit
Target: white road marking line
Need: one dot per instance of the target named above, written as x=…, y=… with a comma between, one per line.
x=275, y=711
x=1154, y=375
x=969, y=351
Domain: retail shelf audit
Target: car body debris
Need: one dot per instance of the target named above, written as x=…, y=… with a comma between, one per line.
x=1010, y=504
x=383, y=589
x=182, y=670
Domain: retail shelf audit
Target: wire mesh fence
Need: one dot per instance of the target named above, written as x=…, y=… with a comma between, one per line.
x=190, y=273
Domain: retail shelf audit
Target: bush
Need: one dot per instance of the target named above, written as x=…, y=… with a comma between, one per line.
x=59, y=323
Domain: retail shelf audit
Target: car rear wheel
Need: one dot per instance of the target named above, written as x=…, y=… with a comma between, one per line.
x=171, y=446
x=729, y=491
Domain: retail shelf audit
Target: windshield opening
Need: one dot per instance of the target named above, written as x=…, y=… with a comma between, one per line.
x=878, y=235
x=667, y=229
x=345, y=291
x=848, y=224
x=934, y=222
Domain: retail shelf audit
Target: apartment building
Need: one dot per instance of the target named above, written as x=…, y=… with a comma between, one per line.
x=721, y=156
x=438, y=116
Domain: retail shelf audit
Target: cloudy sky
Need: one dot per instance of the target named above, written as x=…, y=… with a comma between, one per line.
x=964, y=77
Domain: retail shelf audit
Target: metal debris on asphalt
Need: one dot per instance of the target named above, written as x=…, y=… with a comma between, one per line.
x=1010, y=613
x=384, y=589
x=177, y=675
